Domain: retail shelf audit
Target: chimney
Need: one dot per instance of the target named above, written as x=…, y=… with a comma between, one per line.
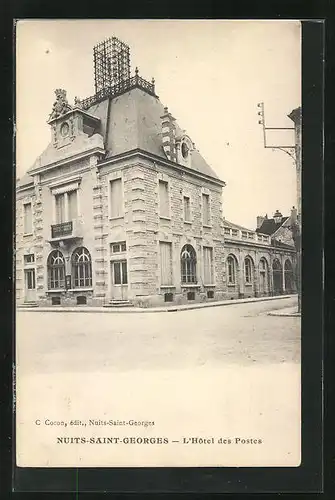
x=277, y=216
x=260, y=219
x=168, y=135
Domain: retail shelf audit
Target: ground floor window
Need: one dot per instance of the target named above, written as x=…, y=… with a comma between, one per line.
x=120, y=272
x=56, y=270
x=30, y=279
x=248, y=270
x=188, y=264
x=81, y=268
x=231, y=269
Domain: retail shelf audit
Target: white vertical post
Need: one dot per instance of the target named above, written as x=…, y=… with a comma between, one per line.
x=78, y=203
x=283, y=278
x=54, y=216
x=66, y=207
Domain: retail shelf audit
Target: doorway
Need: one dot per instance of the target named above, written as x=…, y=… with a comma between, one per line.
x=289, y=277
x=30, y=286
x=277, y=277
x=119, y=276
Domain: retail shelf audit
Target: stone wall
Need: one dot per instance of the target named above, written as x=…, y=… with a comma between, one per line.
x=142, y=228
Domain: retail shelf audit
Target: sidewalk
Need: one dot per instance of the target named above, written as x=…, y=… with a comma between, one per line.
x=287, y=311
x=174, y=308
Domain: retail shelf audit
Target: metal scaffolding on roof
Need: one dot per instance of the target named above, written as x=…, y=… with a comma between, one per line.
x=111, y=63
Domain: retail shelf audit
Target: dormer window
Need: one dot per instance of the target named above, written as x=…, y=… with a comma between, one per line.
x=184, y=150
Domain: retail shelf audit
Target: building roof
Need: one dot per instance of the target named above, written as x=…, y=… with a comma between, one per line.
x=132, y=120
x=231, y=225
x=25, y=180
x=280, y=244
x=269, y=226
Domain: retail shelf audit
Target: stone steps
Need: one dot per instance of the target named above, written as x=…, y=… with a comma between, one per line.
x=28, y=304
x=119, y=303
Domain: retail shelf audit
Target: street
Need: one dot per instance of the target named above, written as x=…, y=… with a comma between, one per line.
x=229, y=373
x=241, y=333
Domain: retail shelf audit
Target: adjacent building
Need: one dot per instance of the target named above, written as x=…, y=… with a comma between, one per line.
x=261, y=262
x=121, y=208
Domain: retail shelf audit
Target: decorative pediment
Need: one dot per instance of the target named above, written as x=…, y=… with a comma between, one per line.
x=60, y=106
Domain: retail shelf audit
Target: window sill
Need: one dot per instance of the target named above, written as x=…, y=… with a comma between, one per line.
x=209, y=285
x=190, y=285
x=164, y=217
x=117, y=217
x=187, y=222
x=27, y=234
x=231, y=284
x=207, y=226
x=56, y=290
x=247, y=284
x=83, y=289
x=167, y=286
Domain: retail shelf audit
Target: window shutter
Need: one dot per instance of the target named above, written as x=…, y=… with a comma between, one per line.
x=116, y=198
x=164, y=198
x=28, y=226
x=72, y=200
x=205, y=209
x=208, y=265
x=166, y=263
x=60, y=208
x=187, y=212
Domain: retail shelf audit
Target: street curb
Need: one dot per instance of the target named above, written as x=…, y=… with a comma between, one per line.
x=287, y=315
x=133, y=310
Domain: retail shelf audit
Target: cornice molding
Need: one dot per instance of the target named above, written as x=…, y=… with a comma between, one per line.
x=165, y=162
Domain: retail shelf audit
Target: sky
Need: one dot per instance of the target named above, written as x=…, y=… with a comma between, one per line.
x=210, y=73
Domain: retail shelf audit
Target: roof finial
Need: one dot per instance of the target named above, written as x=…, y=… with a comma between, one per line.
x=136, y=71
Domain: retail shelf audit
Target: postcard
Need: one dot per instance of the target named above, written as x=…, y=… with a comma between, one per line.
x=157, y=253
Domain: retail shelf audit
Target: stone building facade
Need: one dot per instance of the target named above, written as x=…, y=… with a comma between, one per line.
x=260, y=263
x=121, y=208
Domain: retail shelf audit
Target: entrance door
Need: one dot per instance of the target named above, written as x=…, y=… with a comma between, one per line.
x=119, y=280
x=30, y=288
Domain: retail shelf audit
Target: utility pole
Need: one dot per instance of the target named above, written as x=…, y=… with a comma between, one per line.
x=294, y=151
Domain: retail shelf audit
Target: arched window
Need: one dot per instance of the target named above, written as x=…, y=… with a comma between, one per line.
x=81, y=268
x=56, y=270
x=248, y=270
x=231, y=270
x=276, y=265
x=288, y=266
x=188, y=261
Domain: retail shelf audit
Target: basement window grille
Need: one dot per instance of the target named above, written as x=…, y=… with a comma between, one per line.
x=81, y=300
x=168, y=297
